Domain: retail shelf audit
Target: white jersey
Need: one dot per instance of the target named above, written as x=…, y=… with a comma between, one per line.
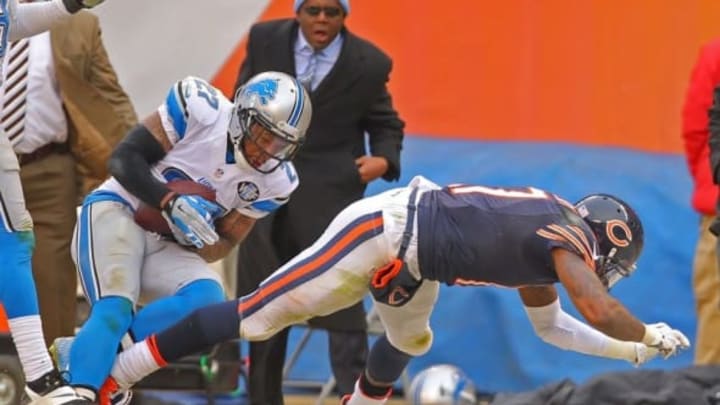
x=195, y=117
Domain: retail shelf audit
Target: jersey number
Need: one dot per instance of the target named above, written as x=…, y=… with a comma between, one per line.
x=208, y=93
x=528, y=192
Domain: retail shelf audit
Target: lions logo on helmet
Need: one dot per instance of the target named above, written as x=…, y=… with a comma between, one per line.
x=442, y=384
x=619, y=234
x=269, y=120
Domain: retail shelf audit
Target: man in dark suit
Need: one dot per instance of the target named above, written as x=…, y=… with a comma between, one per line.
x=347, y=78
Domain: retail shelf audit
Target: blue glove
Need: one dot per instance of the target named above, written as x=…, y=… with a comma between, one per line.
x=193, y=216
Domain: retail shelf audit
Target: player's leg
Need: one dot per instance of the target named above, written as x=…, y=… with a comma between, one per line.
x=17, y=287
x=331, y=274
x=174, y=283
x=109, y=264
x=407, y=335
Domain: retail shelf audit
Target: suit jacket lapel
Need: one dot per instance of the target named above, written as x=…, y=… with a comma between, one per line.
x=279, y=48
x=347, y=69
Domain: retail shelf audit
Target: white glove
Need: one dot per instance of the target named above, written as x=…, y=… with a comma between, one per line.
x=193, y=216
x=643, y=354
x=179, y=235
x=665, y=339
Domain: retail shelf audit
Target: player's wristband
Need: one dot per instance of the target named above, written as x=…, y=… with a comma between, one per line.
x=651, y=336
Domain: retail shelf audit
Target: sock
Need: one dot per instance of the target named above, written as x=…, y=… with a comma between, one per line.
x=136, y=362
x=164, y=312
x=372, y=390
x=361, y=396
x=30, y=345
x=93, y=351
x=386, y=363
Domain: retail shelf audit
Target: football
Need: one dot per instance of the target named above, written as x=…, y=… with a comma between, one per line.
x=150, y=218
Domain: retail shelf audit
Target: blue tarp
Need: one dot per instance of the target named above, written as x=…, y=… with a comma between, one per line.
x=484, y=330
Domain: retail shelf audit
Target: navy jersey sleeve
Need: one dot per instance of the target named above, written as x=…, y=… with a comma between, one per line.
x=569, y=237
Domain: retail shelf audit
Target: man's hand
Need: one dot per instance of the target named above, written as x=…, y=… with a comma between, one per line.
x=73, y=6
x=371, y=167
x=193, y=216
x=665, y=339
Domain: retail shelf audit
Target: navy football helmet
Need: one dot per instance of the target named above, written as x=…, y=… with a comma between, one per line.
x=619, y=234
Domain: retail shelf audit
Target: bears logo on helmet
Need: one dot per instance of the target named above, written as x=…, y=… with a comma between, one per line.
x=619, y=235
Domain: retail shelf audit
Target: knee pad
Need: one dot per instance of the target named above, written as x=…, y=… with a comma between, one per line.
x=414, y=345
x=200, y=293
x=115, y=313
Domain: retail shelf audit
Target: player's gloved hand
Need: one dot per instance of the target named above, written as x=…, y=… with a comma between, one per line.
x=643, y=354
x=73, y=6
x=179, y=235
x=665, y=339
x=194, y=217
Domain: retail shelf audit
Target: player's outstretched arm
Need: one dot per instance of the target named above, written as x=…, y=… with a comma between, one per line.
x=29, y=19
x=607, y=314
x=556, y=327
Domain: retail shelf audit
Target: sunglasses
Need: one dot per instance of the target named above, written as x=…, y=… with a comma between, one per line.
x=329, y=11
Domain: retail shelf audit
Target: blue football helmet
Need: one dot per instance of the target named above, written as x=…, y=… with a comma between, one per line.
x=269, y=120
x=619, y=234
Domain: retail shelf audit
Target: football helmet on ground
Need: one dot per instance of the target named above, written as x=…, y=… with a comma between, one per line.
x=442, y=384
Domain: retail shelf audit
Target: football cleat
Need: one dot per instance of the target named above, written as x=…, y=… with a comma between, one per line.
x=53, y=389
x=60, y=352
x=112, y=394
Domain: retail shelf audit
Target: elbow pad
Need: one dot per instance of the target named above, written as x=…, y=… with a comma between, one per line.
x=130, y=164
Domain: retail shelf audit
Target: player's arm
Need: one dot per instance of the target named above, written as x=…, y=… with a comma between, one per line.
x=232, y=228
x=605, y=313
x=592, y=300
x=144, y=145
x=558, y=328
x=33, y=18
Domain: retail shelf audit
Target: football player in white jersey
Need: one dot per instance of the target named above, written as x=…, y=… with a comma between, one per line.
x=241, y=150
x=17, y=288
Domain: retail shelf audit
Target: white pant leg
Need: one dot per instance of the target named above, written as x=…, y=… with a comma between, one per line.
x=408, y=327
x=15, y=217
x=108, y=249
x=168, y=267
x=331, y=274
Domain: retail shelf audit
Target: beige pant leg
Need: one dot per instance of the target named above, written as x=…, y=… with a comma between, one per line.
x=706, y=283
x=50, y=193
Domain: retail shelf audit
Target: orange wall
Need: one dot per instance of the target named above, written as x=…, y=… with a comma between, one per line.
x=601, y=72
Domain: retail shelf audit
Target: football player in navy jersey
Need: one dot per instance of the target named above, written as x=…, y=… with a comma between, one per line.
x=401, y=244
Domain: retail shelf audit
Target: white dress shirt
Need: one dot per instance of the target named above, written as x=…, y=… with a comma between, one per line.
x=45, y=120
x=326, y=57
